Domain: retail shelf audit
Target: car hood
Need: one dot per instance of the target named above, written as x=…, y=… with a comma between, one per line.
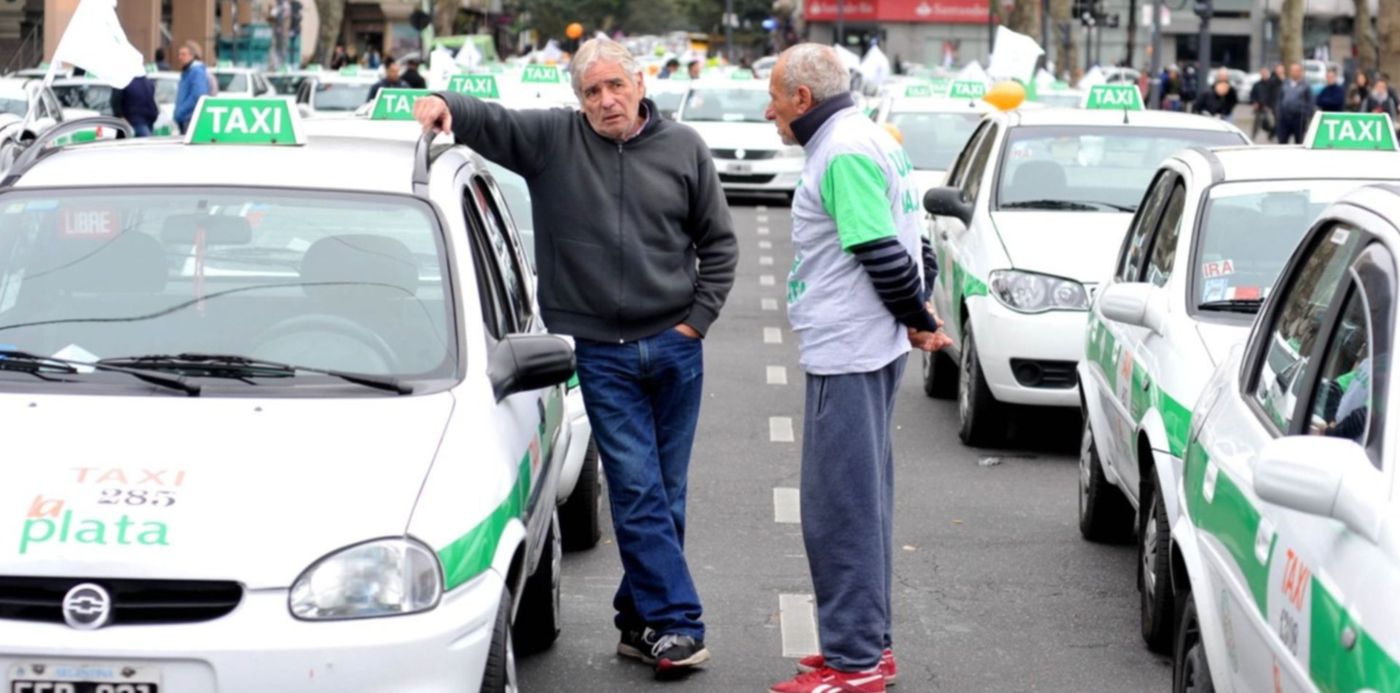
x=252, y=490
x=1075, y=245
x=738, y=135
x=1219, y=338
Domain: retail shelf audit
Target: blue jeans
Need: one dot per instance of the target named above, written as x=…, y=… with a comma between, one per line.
x=643, y=400
x=140, y=128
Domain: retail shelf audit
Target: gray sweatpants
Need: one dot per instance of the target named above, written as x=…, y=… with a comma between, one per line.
x=848, y=510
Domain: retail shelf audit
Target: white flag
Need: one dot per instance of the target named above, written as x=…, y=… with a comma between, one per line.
x=973, y=72
x=468, y=56
x=1014, y=57
x=94, y=41
x=875, y=67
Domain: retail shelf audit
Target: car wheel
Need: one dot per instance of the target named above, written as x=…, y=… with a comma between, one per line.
x=1154, y=574
x=980, y=417
x=499, y=676
x=579, y=515
x=537, y=620
x=940, y=375
x=1190, y=670
x=1104, y=514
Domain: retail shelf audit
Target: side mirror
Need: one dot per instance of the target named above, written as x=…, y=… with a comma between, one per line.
x=1322, y=476
x=1135, y=303
x=525, y=362
x=948, y=202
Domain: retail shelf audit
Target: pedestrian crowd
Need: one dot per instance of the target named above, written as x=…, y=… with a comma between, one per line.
x=1284, y=102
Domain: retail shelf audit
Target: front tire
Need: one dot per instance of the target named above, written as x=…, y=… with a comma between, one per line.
x=537, y=622
x=1104, y=514
x=579, y=515
x=981, y=419
x=1154, y=574
x=499, y=676
x=1190, y=669
x=940, y=375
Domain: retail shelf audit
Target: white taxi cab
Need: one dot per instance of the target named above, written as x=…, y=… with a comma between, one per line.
x=1202, y=253
x=1028, y=223
x=933, y=129
x=240, y=81
x=334, y=94
x=322, y=426
x=94, y=97
x=1286, y=557
x=749, y=154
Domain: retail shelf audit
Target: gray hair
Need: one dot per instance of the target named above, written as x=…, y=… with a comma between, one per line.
x=816, y=67
x=195, y=50
x=605, y=50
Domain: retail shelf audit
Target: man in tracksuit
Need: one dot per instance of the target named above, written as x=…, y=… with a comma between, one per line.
x=857, y=301
x=636, y=254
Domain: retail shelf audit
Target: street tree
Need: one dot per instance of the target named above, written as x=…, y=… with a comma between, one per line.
x=1364, y=41
x=331, y=15
x=1025, y=19
x=445, y=17
x=1388, y=26
x=1062, y=27
x=1290, y=31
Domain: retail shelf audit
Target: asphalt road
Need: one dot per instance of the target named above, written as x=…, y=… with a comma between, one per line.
x=995, y=589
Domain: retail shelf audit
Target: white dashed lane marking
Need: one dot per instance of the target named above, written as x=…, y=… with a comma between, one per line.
x=765, y=245
x=799, y=619
x=763, y=230
x=787, y=506
x=765, y=279
x=770, y=303
x=777, y=375
x=765, y=260
x=780, y=429
x=772, y=335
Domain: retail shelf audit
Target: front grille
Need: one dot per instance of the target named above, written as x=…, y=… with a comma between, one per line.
x=749, y=154
x=1057, y=375
x=747, y=179
x=134, y=602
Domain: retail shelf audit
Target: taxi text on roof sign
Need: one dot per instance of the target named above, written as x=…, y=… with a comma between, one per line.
x=244, y=121
x=396, y=104
x=1117, y=97
x=1351, y=131
x=480, y=86
x=540, y=74
x=915, y=91
x=967, y=89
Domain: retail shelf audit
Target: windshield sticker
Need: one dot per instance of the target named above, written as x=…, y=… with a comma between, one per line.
x=1245, y=293
x=1215, y=290
x=1340, y=236
x=1220, y=268
x=90, y=222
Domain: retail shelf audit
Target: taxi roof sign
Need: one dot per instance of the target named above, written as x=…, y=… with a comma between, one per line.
x=967, y=89
x=1352, y=131
x=350, y=71
x=480, y=86
x=918, y=90
x=396, y=104
x=540, y=74
x=1113, y=97
x=232, y=120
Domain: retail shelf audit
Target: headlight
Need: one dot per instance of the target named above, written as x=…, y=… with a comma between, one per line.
x=1028, y=292
x=384, y=577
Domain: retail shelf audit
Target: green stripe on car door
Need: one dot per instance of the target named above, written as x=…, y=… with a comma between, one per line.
x=1232, y=519
x=1336, y=668
x=472, y=553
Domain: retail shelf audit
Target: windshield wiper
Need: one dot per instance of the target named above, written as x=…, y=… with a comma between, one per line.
x=235, y=366
x=1050, y=204
x=1114, y=206
x=1234, y=305
x=11, y=359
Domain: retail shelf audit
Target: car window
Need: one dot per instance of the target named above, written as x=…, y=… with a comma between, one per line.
x=1247, y=233
x=1089, y=169
x=934, y=139
x=955, y=174
x=494, y=310
x=166, y=90
x=1159, y=267
x=13, y=106
x=517, y=199
x=232, y=81
x=341, y=96
x=514, y=276
x=1140, y=233
x=710, y=104
x=1296, y=322
x=977, y=167
x=1342, y=402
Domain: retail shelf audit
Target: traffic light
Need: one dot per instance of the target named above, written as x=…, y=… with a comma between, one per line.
x=294, y=25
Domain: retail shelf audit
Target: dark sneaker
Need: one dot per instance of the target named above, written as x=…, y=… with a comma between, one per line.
x=676, y=655
x=637, y=644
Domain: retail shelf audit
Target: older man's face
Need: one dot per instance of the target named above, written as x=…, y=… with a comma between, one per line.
x=611, y=99
x=783, y=108
x=1295, y=72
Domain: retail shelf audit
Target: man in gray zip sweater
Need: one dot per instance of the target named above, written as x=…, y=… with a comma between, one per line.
x=636, y=254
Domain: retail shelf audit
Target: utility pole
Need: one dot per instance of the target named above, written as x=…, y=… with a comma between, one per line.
x=1204, y=10
x=1153, y=78
x=729, y=31
x=840, y=22
x=1045, y=27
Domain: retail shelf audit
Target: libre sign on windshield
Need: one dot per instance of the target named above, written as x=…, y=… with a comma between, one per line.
x=1355, y=131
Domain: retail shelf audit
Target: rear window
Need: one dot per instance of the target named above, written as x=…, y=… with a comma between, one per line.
x=232, y=81
x=933, y=140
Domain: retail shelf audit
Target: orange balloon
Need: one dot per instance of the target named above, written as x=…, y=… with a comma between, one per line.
x=1005, y=96
x=894, y=132
x=574, y=30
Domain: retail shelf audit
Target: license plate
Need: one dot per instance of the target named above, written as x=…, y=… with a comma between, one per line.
x=740, y=168
x=84, y=678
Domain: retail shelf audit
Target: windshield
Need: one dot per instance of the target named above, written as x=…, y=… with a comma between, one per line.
x=1250, y=229
x=232, y=81
x=727, y=105
x=285, y=85
x=1061, y=99
x=167, y=88
x=18, y=107
x=668, y=102
x=1085, y=168
x=322, y=280
x=933, y=140
x=341, y=96
x=94, y=97
x=517, y=194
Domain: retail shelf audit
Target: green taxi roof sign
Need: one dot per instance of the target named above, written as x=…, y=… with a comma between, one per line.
x=480, y=86
x=1352, y=131
x=741, y=75
x=967, y=89
x=1113, y=97
x=396, y=104
x=350, y=71
x=540, y=74
x=232, y=120
x=918, y=91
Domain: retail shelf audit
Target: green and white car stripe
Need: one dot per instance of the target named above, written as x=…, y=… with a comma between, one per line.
x=1146, y=393
x=472, y=553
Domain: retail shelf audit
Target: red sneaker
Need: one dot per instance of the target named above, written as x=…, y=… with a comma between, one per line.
x=826, y=680
x=887, y=665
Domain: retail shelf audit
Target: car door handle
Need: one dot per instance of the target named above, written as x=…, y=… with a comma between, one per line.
x=943, y=234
